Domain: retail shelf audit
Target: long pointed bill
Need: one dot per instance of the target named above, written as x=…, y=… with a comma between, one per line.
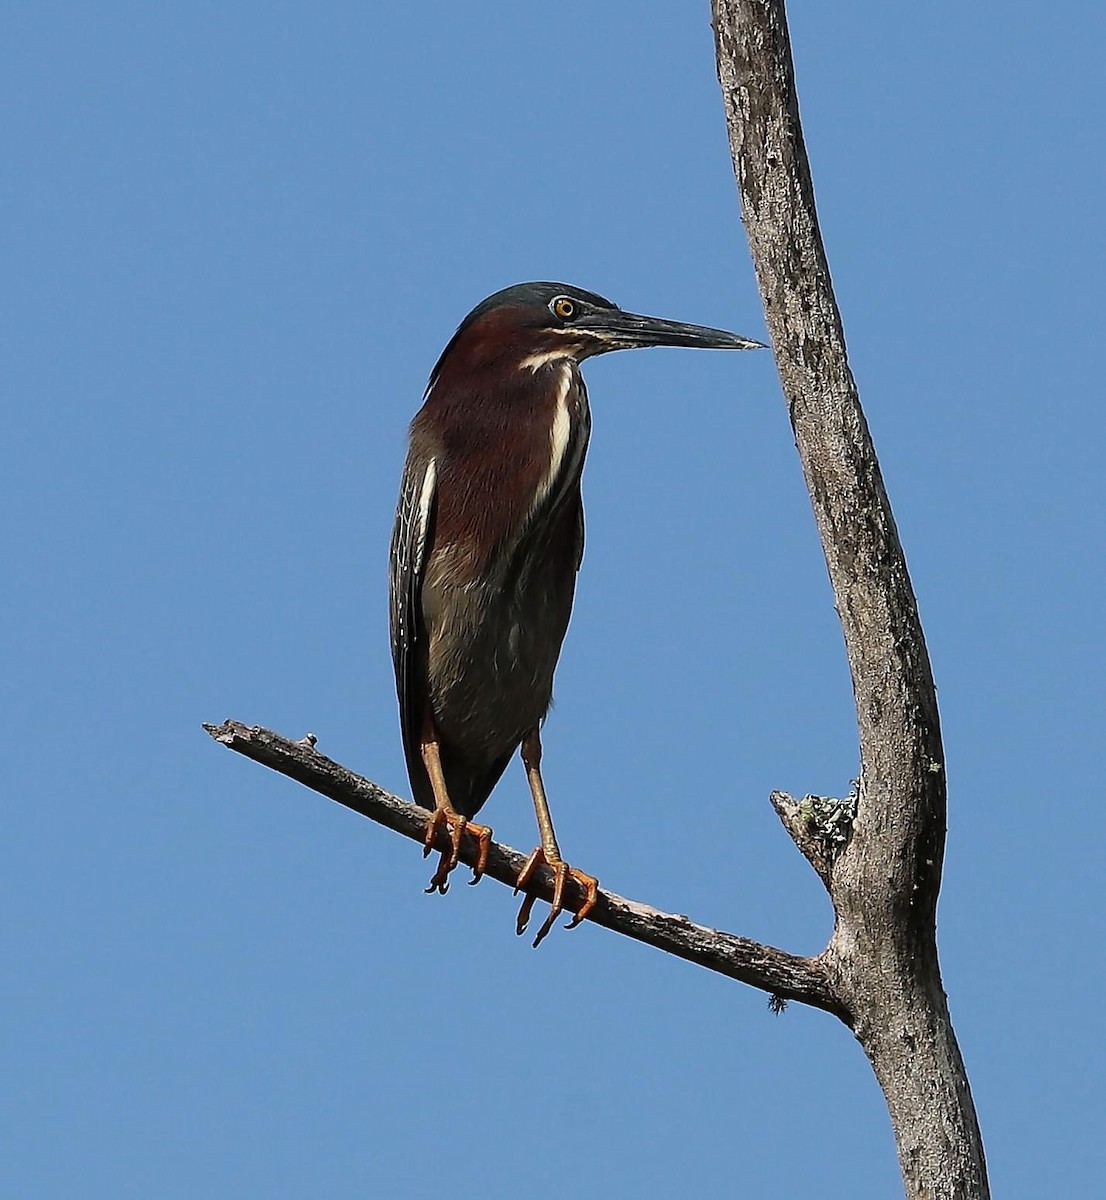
x=625, y=331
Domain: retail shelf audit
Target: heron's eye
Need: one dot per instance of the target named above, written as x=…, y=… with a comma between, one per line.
x=564, y=308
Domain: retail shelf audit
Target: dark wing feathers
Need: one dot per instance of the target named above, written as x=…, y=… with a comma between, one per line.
x=411, y=538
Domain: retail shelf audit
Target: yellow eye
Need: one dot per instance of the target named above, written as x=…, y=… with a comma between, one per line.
x=564, y=308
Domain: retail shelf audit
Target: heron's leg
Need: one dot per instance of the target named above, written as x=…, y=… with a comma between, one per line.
x=548, y=852
x=445, y=814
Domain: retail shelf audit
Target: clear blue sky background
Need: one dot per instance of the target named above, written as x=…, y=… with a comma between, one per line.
x=235, y=238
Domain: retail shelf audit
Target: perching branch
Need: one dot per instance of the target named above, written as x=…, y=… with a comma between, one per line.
x=884, y=885
x=783, y=975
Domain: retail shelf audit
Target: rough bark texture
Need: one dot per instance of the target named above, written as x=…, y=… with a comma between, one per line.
x=884, y=884
x=784, y=976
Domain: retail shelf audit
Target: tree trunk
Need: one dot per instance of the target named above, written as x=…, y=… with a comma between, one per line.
x=884, y=885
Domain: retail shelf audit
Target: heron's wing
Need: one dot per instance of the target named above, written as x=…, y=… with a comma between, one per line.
x=411, y=539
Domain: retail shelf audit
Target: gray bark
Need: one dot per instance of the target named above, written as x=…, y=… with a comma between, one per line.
x=884, y=884
x=785, y=976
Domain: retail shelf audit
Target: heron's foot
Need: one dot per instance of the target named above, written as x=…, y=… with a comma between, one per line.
x=457, y=826
x=561, y=871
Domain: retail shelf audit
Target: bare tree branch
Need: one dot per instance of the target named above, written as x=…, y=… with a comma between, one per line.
x=783, y=975
x=885, y=882
x=819, y=825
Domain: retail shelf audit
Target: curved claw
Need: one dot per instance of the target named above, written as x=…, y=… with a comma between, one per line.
x=440, y=880
x=561, y=871
x=523, y=918
x=457, y=826
x=547, y=925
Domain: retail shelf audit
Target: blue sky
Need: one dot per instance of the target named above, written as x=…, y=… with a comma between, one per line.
x=235, y=238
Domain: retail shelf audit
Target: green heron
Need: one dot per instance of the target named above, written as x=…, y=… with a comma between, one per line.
x=488, y=538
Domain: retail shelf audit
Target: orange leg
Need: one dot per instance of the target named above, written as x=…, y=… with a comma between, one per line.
x=445, y=814
x=548, y=853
